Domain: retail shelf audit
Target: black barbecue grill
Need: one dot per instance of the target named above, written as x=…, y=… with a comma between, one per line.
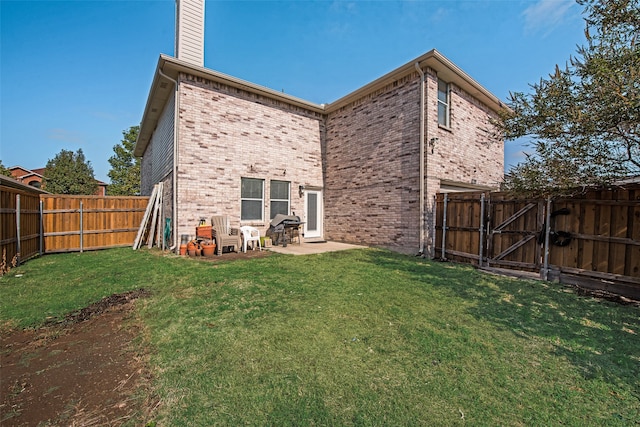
x=283, y=224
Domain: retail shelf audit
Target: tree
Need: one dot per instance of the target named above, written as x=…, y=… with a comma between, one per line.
x=4, y=171
x=125, y=168
x=584, y=120
x=69, y=173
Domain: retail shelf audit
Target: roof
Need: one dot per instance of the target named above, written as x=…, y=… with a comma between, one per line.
x=448, y=185
x=167, y=72
x=40, y=173
x=445, y=69
x=634, y=179
x=14, y=183
x=168, y=68
x=27, y=172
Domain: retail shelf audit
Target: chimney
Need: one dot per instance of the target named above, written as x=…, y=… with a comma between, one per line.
x=190, y=31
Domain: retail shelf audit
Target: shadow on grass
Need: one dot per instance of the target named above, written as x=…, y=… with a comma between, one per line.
x=598, y=337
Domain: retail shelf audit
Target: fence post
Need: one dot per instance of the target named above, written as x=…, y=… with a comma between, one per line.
x=444, y=227
x=41, y=248
x=432, y=228
x=81, y=229
x=547, y=229
x=18, y=238
x=481, y=230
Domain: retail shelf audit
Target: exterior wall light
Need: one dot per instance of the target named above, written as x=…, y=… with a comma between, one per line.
x=432, y=143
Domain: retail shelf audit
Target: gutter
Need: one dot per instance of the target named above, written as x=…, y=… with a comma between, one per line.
x=174, y=65
x=174, y=210
x=422, y=159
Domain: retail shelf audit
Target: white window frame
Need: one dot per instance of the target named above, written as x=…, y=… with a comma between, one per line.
x=271, y=199
x=446, y=103
x=253, y=199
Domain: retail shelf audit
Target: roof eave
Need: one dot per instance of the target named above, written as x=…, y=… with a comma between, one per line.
x=162, y=86
x=160, y=91
x=14, y=183
x=468, y=186
x=445, y=69
x=173, y=66
x=169, y=68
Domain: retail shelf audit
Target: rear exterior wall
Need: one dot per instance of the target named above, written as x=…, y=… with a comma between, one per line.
x=372, y=168
x=226, y=134
x=470, y=149
x=372, y=171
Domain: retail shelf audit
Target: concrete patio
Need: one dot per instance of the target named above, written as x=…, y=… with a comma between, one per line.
x=308, y=248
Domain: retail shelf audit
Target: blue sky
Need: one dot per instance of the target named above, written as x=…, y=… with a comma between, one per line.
x=75, y=74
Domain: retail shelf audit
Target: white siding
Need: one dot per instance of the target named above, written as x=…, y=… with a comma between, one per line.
x=146, y=184
x=157, y=161
x=190, y=31
x=162, y=142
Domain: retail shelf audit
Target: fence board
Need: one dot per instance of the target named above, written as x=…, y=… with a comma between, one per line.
x=633, y=256
x=574, y=223
x=617, y=254
x=603, y=228
x=558, y=223
x=589, y=228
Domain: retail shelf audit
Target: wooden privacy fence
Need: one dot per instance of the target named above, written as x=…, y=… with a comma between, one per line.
x=591, y=240
x=35, y=224
x=78, y=223
x=20, y=221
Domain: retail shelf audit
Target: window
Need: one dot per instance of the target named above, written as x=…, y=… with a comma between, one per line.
x=279, y=198
x=251, y=196
x=443, y=103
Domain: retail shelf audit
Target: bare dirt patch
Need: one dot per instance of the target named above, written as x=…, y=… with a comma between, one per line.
x=83, y=369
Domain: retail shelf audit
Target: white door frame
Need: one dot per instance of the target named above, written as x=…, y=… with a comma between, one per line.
x=316, y=233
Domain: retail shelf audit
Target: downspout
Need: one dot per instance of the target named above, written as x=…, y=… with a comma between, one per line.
x=176, y=111
x=422, y=159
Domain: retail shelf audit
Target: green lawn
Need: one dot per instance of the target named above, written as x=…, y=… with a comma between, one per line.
x=362, y=337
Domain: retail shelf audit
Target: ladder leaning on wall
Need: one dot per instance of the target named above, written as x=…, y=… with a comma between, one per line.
x=151, y=225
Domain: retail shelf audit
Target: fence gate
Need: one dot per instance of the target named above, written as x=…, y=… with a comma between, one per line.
x=515, y=233
x=491, y=231
x=591, y=239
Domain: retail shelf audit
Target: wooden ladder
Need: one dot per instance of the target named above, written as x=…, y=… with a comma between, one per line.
x=151, y=213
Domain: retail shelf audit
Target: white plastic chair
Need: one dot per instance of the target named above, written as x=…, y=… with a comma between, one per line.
x=250, y=234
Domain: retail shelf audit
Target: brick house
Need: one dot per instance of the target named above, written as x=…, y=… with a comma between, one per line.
x=34, y=178
x=363, y=169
